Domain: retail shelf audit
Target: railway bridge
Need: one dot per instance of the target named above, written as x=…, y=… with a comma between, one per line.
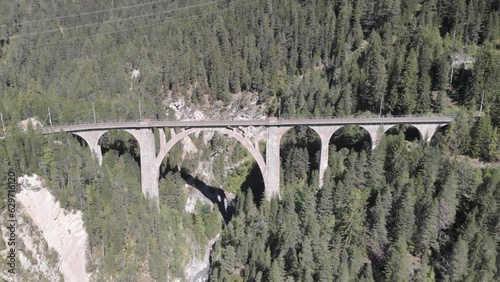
x=268, y=163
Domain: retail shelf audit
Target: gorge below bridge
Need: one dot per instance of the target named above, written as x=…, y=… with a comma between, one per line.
x=268, y=163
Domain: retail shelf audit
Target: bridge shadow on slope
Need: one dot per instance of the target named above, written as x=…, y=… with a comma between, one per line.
x=217, y=196
x=255, y=182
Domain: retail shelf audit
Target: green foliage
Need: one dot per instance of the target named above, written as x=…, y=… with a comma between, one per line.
x=234, y=181
x=377, y=214
x=122, y=225
x=322, y=59
x=398, y=264
x=486, y=145
x=370, y=226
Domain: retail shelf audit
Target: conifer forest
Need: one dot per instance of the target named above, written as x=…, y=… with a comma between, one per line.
x=409, y=210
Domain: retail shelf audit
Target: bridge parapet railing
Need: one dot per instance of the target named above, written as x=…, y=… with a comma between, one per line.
x=107, y=121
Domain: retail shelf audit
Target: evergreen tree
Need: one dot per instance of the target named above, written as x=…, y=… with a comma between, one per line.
x=459, y=260
x=276, y=272
x=408, y=86
x=398, y=264
x=376, y=80
x=378, y=231
x=486, y=140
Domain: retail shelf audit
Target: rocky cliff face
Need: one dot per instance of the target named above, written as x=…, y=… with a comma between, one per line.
x=197, y=268
x=243, y=106
x=51, y=241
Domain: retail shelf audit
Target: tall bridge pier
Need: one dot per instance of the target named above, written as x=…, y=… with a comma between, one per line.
x=151, y=160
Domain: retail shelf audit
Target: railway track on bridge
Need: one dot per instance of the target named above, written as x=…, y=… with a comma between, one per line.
x=236, y=123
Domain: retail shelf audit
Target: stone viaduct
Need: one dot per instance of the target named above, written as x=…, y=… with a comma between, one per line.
x=269, y=163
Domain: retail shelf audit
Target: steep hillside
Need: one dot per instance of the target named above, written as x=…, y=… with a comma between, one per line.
x=54, y=241
x=401, y=212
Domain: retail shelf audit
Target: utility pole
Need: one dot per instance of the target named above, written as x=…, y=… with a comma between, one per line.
x=93, y=110
x=381, y=106
x=140, y=113
x=50, y=118
x=481, y=107
x=3, y=124
x=451, y=75
x=279, y=108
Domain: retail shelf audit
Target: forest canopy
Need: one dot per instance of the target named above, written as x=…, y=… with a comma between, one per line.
x=316, y=58
x=407, y=211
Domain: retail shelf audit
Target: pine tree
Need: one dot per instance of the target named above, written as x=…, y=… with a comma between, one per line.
x=345, y=102
x=378, y=231
x=326, y=263
x=423, y=103
x=485, y=136
x=427, y=224
x=306, y=261
x=406, y=214
x=376, y=80
x=485, y=79
x=459, y=260
x=440, y=73
x=426, y=272
x=398, y=264
x=276, y=272
x=366, y=274
x=325, y=195
x=459, y=137
x=352, y=217
x=448, y=201
x=408, y=86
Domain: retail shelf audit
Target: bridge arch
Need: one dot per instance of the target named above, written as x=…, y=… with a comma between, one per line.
x=376, y=131
x=254, y=151
x=143, y=137
x=440, y=135
x=427, y=131
x=92, y=140
x=422, y=132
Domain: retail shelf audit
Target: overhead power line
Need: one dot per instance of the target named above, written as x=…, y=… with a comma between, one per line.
x=142, y=27
x=86, y=13
x=115, y=20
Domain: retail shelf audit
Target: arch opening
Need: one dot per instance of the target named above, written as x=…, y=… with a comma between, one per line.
x=300, y=153
x=214, y=165
x=440, y=135
x=122, y=142
x=80, y=140
x=410, y=132
x=352, y=137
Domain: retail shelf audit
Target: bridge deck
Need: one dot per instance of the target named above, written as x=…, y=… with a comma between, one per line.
x=263, y=122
